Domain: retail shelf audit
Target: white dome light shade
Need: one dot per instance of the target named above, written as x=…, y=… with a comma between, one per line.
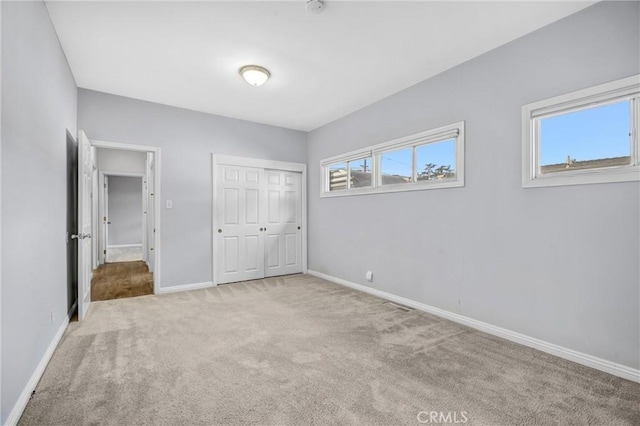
x=255, y=75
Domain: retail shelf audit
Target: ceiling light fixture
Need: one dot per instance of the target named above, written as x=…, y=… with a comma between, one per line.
x=314, y=6
x=255, y=75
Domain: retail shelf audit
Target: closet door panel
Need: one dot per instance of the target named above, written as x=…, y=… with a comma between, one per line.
x=284, y=221
x=239, y=240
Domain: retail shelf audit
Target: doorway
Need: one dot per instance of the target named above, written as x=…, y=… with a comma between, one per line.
x=123, y=217
x=125, y=192
x=127, y=230
x=259, y=219
x=123, y=270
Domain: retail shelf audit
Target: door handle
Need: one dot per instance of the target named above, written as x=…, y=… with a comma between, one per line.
x=261, y=229
x=109, y=223
x=80, y=236
x=219, y=231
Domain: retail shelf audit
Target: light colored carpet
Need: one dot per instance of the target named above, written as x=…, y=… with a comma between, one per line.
x=300, y=350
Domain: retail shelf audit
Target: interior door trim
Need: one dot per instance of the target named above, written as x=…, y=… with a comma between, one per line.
x=227, y=160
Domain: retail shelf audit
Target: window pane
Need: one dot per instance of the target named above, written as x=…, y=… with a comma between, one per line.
x=397, y=166
x=436, y=161
x=360, y=173
x=587, y=139
x=338, y=177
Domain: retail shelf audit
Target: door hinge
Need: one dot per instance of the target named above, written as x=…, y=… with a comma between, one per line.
x=105, y=252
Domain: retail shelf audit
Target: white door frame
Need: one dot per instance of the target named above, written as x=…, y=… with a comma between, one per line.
x=219, y=160
x=150, y=207
x=103, y=205
x=95, y=195
x=100, y=224
x=156, y=199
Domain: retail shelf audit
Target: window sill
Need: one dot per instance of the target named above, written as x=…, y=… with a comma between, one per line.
x=393, y=188
x=584, y=177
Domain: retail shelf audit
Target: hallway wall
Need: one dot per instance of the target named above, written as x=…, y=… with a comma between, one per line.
x=39, y=105
x=118, y=160
x=125, y=210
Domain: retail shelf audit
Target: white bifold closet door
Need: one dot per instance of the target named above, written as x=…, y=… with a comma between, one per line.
x=258, y=214
x=282, y=245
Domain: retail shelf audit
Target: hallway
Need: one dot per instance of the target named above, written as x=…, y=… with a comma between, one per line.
x=120, y=280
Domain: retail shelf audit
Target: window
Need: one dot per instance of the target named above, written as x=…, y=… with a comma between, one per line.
x=437, y=160
x=396, y=166
x=427, y=160
x=588, y=136
x=338, y=177
x=360, y=173
x=350, y=174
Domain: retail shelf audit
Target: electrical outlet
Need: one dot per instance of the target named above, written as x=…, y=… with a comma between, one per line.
x=169, y=204
x=369, y=276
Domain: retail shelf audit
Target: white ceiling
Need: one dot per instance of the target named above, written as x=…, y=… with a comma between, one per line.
x=187, y=54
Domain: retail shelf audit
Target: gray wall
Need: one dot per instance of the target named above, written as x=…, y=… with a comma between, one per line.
x=559, y=264
x=38, y=106
x=117, y=160
x=187, y=139
x=125, y=210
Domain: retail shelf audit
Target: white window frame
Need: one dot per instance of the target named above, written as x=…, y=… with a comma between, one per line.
x=619, y=90
x=452, y=131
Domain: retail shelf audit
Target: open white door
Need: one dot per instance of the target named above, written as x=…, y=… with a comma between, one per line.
x=84, y=224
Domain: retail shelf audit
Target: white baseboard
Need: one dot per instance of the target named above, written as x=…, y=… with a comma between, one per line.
x=186, y=287
x=21, y=403
x=550, y=348
x=117, y=246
